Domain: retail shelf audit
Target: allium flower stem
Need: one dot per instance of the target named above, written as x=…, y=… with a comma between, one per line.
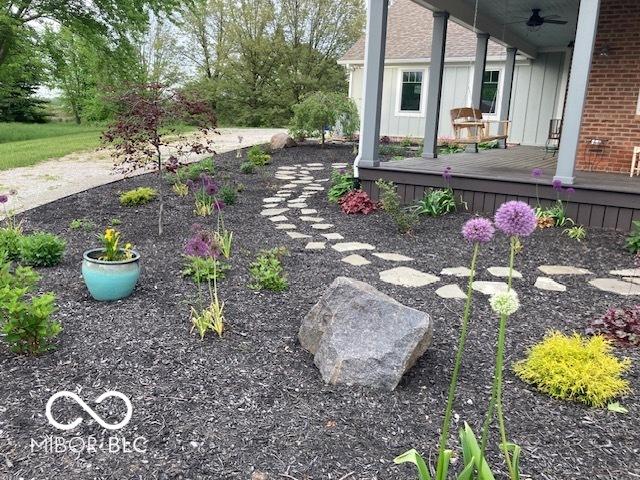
x=446, y=423
x=496, y=391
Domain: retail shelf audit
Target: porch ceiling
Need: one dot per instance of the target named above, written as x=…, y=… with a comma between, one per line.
x=505, y=21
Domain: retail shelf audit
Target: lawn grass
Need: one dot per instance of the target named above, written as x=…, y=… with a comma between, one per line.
x=23, y=144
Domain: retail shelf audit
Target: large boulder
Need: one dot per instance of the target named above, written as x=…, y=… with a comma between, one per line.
x=360, y=336
x=280, y=141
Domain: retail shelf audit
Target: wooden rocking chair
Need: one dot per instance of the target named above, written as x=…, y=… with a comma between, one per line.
x=471, y=129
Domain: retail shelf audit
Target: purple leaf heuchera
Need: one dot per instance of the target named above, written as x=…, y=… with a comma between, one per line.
x=516, y=219
x=478, y=230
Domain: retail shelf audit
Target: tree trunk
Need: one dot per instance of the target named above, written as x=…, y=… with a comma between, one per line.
x=160, y=196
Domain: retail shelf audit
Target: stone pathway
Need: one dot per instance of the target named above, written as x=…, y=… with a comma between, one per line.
x=303, y=184
x=57, y=178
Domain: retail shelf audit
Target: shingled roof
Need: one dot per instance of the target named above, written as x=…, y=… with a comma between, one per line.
x=409, y=30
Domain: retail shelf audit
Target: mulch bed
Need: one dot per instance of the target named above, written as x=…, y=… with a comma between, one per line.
x=253, y=400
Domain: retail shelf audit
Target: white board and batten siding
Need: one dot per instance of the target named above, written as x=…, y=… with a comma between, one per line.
x=537, y=97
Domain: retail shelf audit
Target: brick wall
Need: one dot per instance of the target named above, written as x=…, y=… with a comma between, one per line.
x=614, y=84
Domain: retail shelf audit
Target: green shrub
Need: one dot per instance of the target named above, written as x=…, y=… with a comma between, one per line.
x=247, y=168
x=258, y=157
x=404, y=218
x=436, y=202
x=10, y=238
x=267, y=271
x=203, y=269
x=392, y=150
x=228, y=194
x=342, y=182
x=27, y=326
x=324, y=109
x=633, y=240
x=138, y=196
x=575, y=368
x=41, y=249
x=82, y=224
x=193, y=171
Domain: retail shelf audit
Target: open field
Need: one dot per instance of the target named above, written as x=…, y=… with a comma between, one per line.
x=23, y=144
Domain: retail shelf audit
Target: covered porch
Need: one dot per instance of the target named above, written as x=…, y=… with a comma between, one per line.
x=486, y=179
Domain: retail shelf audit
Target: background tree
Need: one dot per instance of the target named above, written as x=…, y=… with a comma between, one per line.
x=324, y=109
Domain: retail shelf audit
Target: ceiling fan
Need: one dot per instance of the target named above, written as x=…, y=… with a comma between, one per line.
x=535, y=21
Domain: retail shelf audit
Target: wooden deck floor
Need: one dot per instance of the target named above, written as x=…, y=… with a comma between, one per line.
x=513, y=164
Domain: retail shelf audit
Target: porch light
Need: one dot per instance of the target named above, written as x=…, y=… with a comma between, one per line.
x=604, y=51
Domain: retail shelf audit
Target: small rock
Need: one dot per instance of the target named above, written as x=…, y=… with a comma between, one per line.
x=333, y=236
x=322, y=226
x=278, y=218
x=259, y=476
x=280, y=141
x=305, y=218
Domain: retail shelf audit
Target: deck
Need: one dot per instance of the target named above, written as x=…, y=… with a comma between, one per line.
x=486, y=179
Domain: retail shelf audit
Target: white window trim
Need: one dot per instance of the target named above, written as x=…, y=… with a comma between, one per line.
x=423, y=102
x=638, y=105
x=490, y=68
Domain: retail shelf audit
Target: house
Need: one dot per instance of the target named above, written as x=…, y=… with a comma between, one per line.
x=575, y=61
x=539, y=84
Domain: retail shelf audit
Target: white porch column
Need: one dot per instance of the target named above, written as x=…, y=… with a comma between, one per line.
x=478, y=68
x=436, y=69
x=507, y=84
x=577, y=90
x=372, y=94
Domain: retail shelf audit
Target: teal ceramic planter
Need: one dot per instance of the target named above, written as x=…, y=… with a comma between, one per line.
x=109, y=280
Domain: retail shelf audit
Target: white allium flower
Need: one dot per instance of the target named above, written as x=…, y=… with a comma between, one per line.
x=505, y=303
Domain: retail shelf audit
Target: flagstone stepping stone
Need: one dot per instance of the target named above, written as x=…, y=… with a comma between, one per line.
x=450, y=291
x=392, y=257
x=317, y=189
x=322, y=226
x=351, y=246
x=284, y=194
x=287, y=167
x=563, y=270
x=273, y=200
x=308, y=211
x=297, y=205
x=407, y=277
x=285, y=226
x=546, y=283
x=278, y=218
x=614, y=285
x=301, y=182
x=285, y=177
x=489, y=288
x=503, y=272
x=629, y=272
x=355, y=260
x=304, y=177
x=305, y=218
x=316, y=168
x=273, y=211
x=338, y=165
x=315, y=246
x=456, y=271
x=315, y=164
x=632, y=280
x=322, y=180
x=333, y=236
x=298, y=235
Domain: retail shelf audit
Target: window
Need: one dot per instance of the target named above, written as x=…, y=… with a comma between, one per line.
x=489, y=96
x=638, y=106
x=411, y=91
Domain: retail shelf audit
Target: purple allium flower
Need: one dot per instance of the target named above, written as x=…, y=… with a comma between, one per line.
x=342, y=171
x=218, y=205
x=196, y=247
x=446, y=174
x=557, y=185
x=516, y=219
x=4, y=198
x=570, y=190
x=478, y=230
x=536, y=172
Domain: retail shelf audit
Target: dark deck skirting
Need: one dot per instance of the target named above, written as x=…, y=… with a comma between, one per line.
x=487, y=179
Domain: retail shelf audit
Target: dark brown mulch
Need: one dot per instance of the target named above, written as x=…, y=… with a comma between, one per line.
x=253, y=400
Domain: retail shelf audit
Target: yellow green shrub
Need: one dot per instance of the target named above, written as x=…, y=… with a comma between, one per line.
x=138, y=196
x=575, y=368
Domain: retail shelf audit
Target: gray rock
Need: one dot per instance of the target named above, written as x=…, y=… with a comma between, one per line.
x=360, y=336
x=281, y=140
